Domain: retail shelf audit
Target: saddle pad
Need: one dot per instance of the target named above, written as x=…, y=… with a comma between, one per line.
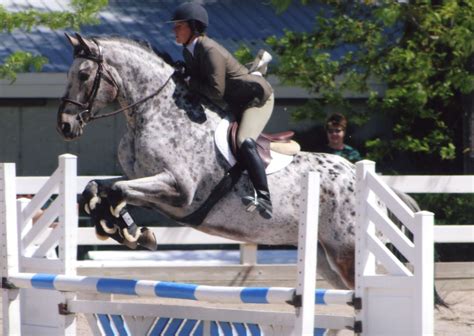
x=278, y=162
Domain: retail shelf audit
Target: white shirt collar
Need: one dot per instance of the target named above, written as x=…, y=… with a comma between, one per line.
x=191, y=46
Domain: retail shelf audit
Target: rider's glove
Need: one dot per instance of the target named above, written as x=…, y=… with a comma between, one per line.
x=180, y=70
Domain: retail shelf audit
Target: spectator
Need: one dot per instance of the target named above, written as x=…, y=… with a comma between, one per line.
x=336, y=125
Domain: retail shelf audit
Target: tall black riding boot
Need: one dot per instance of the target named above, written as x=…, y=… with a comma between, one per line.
x=251, y=160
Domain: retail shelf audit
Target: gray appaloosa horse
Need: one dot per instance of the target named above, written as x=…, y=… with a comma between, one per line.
x=171, y=162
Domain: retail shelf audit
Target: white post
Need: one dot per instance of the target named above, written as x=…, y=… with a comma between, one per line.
x=248, y=254
x=424, y=272
x=365, y=263
x=68, y=218
x=307, y=255
x=9, y=249
x=68, y=224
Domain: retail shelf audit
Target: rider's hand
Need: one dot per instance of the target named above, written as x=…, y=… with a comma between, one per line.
x=180, y=70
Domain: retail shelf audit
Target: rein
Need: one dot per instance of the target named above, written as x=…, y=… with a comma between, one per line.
x=93, y=117
x=86, y=115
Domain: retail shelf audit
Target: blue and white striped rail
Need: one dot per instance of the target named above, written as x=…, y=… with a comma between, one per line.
x=216, y=294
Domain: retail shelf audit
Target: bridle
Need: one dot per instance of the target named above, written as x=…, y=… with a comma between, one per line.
x=84, y=116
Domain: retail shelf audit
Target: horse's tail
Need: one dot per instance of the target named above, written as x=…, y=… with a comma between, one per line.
x=415, y=207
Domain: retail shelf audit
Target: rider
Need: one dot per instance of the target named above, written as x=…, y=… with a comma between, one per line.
x=214, y=73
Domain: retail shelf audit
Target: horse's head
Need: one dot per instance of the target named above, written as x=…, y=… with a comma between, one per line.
x=91, y=85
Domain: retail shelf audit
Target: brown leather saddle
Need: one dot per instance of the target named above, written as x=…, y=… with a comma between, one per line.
x=263, y=141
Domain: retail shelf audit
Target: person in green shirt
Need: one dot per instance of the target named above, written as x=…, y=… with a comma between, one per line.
x=336, y=125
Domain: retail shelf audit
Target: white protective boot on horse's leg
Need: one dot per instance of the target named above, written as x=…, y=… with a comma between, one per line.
x=123, y=229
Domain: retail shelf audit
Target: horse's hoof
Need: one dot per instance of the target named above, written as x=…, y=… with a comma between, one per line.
x=131, y=237
x=130, y=245
x=101, y=237
x=106, y=228
x=116, y=211
x=147, y=239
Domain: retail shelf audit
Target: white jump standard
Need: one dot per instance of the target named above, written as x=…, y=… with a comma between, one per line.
x=27, y=273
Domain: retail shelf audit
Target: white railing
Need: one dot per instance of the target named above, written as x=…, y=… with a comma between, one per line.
x=181, y=236
x=406, y=290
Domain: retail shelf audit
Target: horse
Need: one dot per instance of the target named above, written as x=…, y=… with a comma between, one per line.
x=171, y=163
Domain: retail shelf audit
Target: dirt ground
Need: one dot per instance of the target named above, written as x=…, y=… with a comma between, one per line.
x=458, y=320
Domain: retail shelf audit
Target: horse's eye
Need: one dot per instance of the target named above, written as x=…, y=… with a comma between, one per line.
x=83, y=76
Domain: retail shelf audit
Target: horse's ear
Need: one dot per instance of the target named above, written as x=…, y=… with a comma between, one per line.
x=74, y=41
x=84, y=44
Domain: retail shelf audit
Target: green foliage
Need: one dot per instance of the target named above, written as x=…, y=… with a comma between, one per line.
x=449, y=208
x=21, y=61
x=422, y=52
x=83, y=12
x=244, y=54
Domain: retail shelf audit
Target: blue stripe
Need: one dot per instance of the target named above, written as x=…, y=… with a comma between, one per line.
x=240, y=328
x=187, y=328
x=43, y=281
x=319, y=331
x=173, y=327
x=117, y=286
x=105, y=323
x=254, y=295
x=226, y=328
x=176, y=290
x=199, y=330
x=120, y=325
x=214, y=329
x=159, y=327
x=319, y=296
x=254, y=329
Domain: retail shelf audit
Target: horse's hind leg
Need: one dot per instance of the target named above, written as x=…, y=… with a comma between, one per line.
x=325, y=270
x=342, y=262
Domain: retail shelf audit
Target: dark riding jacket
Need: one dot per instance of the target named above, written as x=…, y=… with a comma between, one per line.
x=216, y=74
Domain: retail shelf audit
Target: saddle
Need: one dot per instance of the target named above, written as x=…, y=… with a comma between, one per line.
x=263, y=141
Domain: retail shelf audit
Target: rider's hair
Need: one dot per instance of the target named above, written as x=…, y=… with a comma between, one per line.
x=197, y=27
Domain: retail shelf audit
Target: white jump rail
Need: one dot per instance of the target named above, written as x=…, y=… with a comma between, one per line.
x=462, y=184
x=449, y=184
x=180, y=236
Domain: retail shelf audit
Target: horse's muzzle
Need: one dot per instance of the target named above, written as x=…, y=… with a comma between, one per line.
x=68, y=126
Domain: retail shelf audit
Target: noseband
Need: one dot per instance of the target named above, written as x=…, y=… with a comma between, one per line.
x=86, y=115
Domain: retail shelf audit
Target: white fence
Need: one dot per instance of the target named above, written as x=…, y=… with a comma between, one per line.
x=453, y=233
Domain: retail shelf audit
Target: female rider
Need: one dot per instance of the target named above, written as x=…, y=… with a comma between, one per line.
x=216, y=74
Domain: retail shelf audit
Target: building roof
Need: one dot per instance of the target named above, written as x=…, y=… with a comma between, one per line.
x=232, y=23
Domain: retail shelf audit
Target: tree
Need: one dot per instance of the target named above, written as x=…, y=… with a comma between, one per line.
x=422, y=51
x=83, y=12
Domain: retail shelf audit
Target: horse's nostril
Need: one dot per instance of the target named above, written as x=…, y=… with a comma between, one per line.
x=65, y=128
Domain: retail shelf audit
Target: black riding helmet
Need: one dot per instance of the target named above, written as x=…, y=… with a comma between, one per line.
x=194, y=14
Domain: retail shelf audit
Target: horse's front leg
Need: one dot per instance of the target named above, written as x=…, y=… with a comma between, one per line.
x=106, y=202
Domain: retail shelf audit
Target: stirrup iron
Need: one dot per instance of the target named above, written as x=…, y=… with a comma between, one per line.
x=250, y=202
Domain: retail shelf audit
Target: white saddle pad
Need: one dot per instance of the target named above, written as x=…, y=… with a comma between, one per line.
x=279, y=161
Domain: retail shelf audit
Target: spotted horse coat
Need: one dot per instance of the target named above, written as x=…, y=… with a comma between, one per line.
x=171, y=164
